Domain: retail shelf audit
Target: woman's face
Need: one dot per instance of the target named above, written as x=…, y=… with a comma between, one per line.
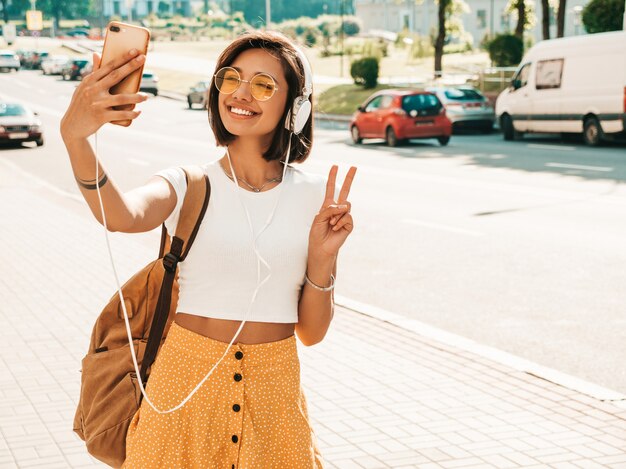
x=266, y=114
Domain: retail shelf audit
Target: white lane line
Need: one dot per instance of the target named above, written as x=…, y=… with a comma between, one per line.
x=42, y=182
x=605, y=169
x=437, y=226
x=138, y=162
x=550, y=147
x=491, y=353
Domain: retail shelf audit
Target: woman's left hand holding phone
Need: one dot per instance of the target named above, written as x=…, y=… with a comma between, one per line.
x=92, y=103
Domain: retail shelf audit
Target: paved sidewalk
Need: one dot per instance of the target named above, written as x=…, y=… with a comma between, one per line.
x=379, y=396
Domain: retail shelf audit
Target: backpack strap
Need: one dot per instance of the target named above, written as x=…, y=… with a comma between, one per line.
x=191, y=214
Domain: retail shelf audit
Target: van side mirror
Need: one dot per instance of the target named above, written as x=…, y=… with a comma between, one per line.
x=516, y=84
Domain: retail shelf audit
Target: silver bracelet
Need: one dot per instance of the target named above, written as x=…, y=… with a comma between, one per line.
x=317, y=287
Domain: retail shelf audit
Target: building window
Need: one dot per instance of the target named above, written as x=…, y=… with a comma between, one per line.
x=481, y=19
x=504, y=21
x=116, y=8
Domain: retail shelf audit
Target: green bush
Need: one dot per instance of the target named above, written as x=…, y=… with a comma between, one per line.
x=603, y=15
x=365, y=72
x=506, y=50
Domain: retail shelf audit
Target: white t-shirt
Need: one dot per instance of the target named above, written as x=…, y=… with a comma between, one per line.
x=219, y=275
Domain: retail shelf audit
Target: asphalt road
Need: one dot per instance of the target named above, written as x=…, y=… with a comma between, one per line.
x=516, y=245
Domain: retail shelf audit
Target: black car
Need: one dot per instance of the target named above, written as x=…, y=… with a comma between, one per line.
x=73, y=69
x=19, y=124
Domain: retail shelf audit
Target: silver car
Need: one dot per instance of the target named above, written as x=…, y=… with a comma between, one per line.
x=466, y=107
x=149, y=83
x=9, y=60
x=54, y=64
x=198, y=94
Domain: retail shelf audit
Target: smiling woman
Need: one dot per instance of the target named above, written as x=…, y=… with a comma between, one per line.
x=262, y=268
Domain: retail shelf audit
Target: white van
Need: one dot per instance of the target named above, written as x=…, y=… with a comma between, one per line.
x=569, y=85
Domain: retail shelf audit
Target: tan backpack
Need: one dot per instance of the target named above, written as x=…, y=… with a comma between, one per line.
x=109, y=393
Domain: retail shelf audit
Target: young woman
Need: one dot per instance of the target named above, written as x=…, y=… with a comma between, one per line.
x=265, y=254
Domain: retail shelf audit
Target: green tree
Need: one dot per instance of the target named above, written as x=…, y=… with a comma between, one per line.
x=506, y=50
x=603, y=15
x=545, y=19
x=64, y=9
x=14, y=9
x=525, y=12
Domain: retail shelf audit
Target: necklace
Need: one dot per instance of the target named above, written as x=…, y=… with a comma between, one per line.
x=253, y=188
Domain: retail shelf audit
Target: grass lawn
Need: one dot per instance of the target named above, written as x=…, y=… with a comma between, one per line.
x=344, y=99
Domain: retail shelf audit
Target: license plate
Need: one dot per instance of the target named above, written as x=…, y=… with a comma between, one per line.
x=19, y=135
x=424, y=122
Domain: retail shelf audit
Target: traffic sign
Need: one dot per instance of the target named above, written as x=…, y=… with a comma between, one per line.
x=34, y=20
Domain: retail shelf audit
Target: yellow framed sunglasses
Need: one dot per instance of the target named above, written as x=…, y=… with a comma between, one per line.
x=262, y=85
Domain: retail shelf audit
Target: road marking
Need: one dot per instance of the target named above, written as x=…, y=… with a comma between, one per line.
x=437, y=226
x=42, y=182
x=491, y=353
x=138, y=162
x=550, y=147
x=605, y=169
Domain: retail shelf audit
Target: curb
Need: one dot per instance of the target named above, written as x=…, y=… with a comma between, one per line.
x=507, y=359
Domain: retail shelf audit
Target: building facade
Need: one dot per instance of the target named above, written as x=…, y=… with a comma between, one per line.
x=484, y=17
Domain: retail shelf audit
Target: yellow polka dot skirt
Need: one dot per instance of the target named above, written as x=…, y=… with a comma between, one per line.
x=251, y=413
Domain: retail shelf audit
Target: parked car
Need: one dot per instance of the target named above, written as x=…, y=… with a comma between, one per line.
x=19, y=124
x=466, y=108
x=569, y=85
x=198, y=94
x=34, y=58
x=9, y=61
x=399, y=115
x=54, y=64
x=77, y=33
x=149, y=83
x=72, y=70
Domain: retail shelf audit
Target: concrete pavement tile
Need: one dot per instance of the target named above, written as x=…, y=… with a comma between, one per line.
x=345, y=464
x=521, y=458
x=499, y=461
x=565, y=465
x=434, y=454
x=613, y=461
x=554, y=458
x=369, y=462
x=605, y=449
x=461, y=463
x=588, y=464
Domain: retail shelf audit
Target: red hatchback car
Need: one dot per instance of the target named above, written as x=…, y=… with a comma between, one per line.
x=399, y=115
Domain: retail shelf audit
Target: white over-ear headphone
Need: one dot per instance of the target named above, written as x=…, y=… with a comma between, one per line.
x=300, y=111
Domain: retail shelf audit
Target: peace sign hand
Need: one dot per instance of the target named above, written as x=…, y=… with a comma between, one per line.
x=333, y=223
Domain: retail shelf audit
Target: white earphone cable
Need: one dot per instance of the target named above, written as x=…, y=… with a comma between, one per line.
x=260, y=260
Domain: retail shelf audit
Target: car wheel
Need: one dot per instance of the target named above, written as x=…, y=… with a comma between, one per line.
x=508, y=131
x=356, y=135
x=189, y=103
x=592, y=131
x=66, y=77
x=39, y=142
x=443, y=141
x=392, y=139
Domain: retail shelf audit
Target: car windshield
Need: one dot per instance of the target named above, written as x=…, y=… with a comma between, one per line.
x=12, y=110
x=147, y=75
x=420, y=102
x=463, y=95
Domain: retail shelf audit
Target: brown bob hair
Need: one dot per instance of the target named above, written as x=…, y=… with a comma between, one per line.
x=281, y=47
